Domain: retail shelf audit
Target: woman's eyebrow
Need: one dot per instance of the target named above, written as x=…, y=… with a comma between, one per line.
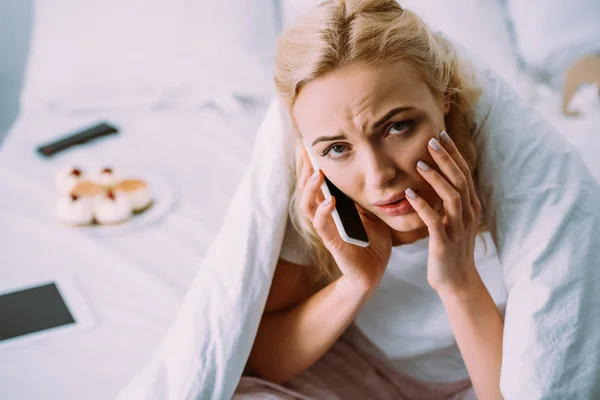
x=327, y=139
x=389, y=115
x=376, y=125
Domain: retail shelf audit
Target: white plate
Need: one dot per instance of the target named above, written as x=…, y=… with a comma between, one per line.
x=161, y=205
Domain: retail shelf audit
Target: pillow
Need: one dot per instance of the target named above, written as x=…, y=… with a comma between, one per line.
x=552, y=34
x=115, y=53
x=480, y=26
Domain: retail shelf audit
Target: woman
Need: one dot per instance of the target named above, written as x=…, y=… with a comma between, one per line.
x=387, y=108
x=376, y=114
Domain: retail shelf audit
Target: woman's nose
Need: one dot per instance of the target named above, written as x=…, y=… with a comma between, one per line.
x=379, y=171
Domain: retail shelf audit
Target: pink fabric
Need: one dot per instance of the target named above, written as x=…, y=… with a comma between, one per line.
x=350, y=370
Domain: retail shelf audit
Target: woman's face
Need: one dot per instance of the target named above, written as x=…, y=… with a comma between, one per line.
x=368, y=126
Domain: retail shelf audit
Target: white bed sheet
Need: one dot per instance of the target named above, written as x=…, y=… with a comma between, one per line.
x=134, y=282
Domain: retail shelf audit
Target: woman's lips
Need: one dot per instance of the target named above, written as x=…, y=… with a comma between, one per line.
x=394, y=209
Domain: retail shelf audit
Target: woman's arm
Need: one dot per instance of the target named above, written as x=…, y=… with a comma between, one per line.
x=297, y=327
x=451, y=270
x=478, y=327
x=291, y=337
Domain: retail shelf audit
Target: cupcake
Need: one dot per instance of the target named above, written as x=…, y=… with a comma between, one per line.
x=106, y=177
x=137, y=192
x=67, y=178
x=74, y=210
x=112, y=208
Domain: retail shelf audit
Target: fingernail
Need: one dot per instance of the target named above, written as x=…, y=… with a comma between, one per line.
x=328, y=200
x=445, y=137
x=435, y=145
x=411, y=193
x=423, y=166
x=314, y=176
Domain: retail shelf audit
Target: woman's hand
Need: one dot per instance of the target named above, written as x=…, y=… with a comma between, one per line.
x=451, y=263
x=363, y=267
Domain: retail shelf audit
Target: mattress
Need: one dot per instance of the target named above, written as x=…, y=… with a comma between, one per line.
x=132, y=280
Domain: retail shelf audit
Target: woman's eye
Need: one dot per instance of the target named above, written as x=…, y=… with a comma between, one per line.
x=400, y=127
x=335, y=151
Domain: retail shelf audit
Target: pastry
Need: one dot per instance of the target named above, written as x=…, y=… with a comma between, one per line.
x=106, y=177
x=74, y=210
x=137, y=192
x=67, y=178
x=112, y=208
x=89, y=190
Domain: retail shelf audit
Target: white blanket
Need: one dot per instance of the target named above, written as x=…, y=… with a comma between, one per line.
x=543, y=208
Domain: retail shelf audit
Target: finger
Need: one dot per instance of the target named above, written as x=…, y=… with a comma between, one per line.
x=323, y=221
x=451, y=198
x=307, y=169
x=451, y=148
x=311, y=194
x=428, y=215
x=450, y=169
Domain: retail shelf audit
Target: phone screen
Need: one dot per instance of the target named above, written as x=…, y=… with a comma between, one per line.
x=348, y=213
x=32, y=310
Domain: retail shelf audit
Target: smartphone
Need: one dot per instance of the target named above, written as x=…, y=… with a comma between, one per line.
x=345, y=215
x=35, y=311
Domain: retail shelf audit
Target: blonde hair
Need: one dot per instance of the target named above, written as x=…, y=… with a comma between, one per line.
x=338, y=33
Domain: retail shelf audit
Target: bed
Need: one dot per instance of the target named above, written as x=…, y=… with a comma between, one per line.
x=195, y=143
x=133, y=280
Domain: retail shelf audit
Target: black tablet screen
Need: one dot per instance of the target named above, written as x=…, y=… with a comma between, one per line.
x=32, y=310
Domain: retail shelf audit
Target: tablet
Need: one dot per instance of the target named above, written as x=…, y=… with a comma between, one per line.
x=41, y=310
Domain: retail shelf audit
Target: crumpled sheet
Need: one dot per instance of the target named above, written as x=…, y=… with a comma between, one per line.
x=350, y=370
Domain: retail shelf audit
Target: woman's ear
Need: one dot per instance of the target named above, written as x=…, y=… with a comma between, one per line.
x=446, y=105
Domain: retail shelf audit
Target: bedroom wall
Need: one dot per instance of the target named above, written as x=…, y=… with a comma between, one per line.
x=15, y=32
